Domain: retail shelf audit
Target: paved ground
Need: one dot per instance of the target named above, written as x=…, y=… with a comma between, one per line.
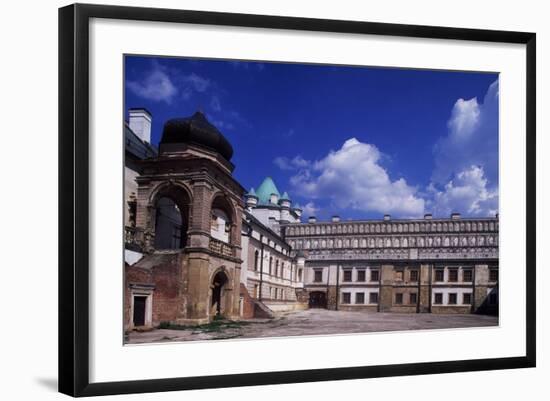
x=311, y=322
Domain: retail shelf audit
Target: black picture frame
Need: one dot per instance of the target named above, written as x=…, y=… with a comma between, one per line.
x=74, y=198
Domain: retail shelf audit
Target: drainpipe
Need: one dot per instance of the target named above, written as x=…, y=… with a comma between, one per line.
x=430, y=289
x=418, y=289
x=473, y=305
x=261, y=266
x=379, y=287
x=328, y=281
x=337, y=284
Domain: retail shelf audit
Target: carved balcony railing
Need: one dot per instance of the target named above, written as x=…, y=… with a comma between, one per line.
x=221, y=248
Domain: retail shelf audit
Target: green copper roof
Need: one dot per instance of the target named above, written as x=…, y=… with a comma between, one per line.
x=266, y=189
x=251, y=192
x=285, y=196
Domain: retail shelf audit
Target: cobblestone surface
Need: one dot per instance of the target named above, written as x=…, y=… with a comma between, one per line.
x=313, y=322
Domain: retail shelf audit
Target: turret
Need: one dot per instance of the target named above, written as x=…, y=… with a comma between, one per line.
x=285, y=202
x=298, y=211
x=251, y=199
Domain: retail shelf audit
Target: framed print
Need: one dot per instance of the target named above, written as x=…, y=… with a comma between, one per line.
x=251, y=199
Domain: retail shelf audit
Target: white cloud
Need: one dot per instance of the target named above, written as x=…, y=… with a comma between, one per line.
x=162, y=84
x=352, y=177
x=157, y=86
x=465, y=118
x=467, y=193
x=310, y=209
x=465, y=178
x=296, y=163
x=215, y=103
x=472, y=139
x=199, y=83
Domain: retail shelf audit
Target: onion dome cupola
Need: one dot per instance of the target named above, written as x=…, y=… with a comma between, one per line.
x=196, y=130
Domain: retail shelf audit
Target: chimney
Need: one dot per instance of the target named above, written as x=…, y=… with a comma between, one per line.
x=428, y=216
x=387, y=217
x=312, y=219
x=455, y=216
x=139, y=121
x=335, y=219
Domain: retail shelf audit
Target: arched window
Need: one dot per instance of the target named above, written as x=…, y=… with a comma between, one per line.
x=270, y=265
x=220, y=225
x=221, y=219
x=276, y=268
x=170, y=227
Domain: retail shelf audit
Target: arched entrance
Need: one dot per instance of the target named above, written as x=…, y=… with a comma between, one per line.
x=170, y=218
x=170, y=229
x=218, y=304
x=317, y=299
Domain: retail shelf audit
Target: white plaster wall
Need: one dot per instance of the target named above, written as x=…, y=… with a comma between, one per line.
x=353, y=291
x=446, y=291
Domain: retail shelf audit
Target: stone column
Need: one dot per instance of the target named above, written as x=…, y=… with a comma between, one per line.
x=199, y=230
x=481, y=280
x=198, y=290
x=424, y=295
x=385, y=297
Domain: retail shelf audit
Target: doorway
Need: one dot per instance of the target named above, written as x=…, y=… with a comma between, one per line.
x=317, y=299
x=140, y=303
x=218, y=284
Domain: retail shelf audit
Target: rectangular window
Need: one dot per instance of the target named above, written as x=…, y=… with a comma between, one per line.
x=439, y=275
x=414, y=275
x=452, y=298
x=467, y=299
x=318, y=276
x=412, y=298
x=467, y=275
x=346, y=297
x=398, y=275
x=347, y=275
x=373, y=298
x=359, y=297
x=398, y=299
x=374, y=275
x=438, y=298
x=493, y=275
x=361, y=275
x=453, y=275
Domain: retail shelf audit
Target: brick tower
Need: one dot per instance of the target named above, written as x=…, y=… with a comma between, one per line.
x=189, y=210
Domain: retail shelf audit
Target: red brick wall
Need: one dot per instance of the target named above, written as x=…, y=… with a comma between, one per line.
x=167, y=278
x=248, y=303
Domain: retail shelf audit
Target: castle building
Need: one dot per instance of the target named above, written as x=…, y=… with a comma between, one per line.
x=198, y=246
x=413, y=265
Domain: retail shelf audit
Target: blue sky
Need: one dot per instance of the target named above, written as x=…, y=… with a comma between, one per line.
x=355, y=141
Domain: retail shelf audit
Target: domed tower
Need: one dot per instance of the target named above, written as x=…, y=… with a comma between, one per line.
x=190, y=209
x=285, y=204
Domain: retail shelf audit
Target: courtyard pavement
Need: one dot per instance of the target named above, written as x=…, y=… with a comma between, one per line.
x=311, y=322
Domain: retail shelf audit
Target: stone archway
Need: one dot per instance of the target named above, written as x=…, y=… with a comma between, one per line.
x=169, y=216
x=219, y=303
